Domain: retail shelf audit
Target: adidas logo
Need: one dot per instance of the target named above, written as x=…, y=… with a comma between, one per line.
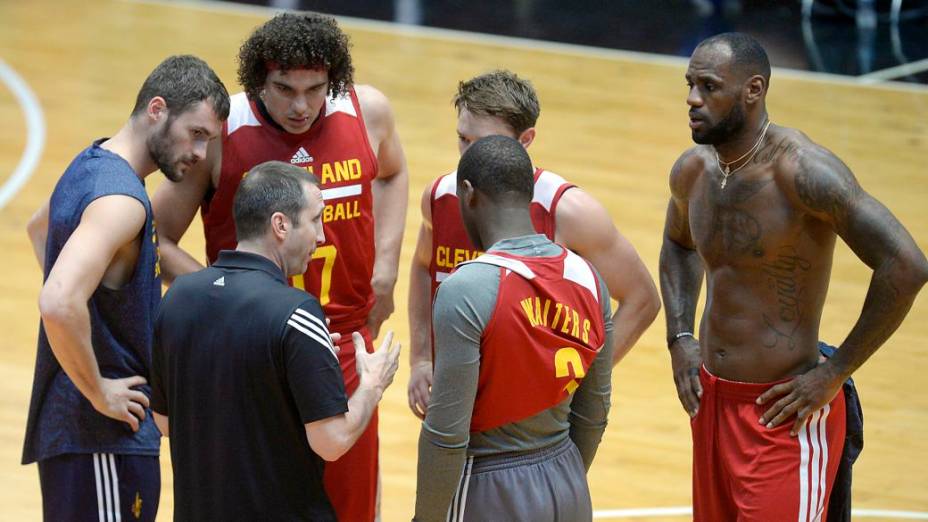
x=220, y=282
x=301, y=156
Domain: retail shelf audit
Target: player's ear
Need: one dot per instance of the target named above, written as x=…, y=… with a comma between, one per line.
x=280, y=225
x=467, y=193
x=527, y=137
x=754, y=89
x=157, y=109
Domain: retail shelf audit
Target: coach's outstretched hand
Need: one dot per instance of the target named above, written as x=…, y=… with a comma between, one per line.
x=376, y=370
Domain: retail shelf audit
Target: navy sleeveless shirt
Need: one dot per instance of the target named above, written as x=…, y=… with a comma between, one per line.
x=61, y=420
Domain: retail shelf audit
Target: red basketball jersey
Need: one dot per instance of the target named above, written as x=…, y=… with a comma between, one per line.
x=450, y=244
x=545, y=331
x=337, y=151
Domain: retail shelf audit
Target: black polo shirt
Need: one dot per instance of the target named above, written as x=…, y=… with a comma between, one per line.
x=241, y=362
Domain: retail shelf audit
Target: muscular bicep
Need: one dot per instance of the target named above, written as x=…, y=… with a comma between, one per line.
x=587, y=229
x=826, y=189
x=423, y=253
x=107, y=225
x=37, y=229
x=420, y=280
x=677, y=225
x=391, y=160
x=381, y=126
x=683, y=175
x=874, y=234
x=822, y=185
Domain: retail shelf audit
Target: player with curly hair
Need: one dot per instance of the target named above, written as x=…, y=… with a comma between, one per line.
x=300, y=106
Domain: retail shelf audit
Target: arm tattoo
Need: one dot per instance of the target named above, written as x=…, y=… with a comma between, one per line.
x=825, y=185
x=829, y=192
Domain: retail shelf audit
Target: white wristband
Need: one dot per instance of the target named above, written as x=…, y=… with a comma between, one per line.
x=677, y=337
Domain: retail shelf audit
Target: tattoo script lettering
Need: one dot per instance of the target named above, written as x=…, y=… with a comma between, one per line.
x=783, y=278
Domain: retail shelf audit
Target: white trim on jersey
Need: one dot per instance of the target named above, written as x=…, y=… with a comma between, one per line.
x=447, y=185
x=441, y=276
x=311, y=326
x=546, y=188
x=342, y=192
x=576, y=269
x=511, y=264
x=240, y=113
x=341, y=104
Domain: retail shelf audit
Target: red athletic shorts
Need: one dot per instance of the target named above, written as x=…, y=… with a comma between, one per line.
x=351, y=482
x=743, y=471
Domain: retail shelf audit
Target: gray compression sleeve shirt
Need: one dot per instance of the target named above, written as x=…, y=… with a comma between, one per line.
x=462, y=309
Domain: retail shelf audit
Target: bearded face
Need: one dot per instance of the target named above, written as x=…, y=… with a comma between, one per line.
x=720, y=131
x=165, y=152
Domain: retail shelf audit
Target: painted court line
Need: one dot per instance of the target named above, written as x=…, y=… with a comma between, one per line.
x=895, y=72
x=35, y=133
x=687, y=511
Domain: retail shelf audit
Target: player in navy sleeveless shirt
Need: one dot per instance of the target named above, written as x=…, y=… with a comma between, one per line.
x=89, y=426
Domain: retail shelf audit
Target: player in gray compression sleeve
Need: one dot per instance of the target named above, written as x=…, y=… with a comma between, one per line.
x=460, y=318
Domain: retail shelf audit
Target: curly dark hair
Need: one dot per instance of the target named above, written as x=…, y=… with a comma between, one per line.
x=296, y=41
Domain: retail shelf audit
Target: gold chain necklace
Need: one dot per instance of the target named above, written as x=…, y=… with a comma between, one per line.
x=726, y=170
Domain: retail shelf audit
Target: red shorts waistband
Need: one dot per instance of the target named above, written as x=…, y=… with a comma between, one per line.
x=748, y=391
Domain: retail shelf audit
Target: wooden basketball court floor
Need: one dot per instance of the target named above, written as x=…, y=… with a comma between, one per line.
x=612, y=122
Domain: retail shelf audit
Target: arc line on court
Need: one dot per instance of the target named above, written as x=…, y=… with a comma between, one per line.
x=687, y=511
x=35, y=132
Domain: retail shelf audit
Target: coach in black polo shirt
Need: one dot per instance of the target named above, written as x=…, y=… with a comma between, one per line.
x=244, y=374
